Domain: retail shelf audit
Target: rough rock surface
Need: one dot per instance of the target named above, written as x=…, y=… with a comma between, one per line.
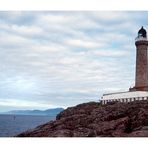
x=95, y=120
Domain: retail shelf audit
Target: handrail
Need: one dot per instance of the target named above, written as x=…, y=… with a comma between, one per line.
x=140, y=39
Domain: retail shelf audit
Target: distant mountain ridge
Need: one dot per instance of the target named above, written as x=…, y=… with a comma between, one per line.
x=48, y=112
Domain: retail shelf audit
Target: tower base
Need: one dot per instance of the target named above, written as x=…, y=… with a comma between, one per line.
x=139, y=88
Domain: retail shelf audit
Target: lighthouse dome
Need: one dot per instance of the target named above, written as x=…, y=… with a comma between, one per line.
x=142, y=33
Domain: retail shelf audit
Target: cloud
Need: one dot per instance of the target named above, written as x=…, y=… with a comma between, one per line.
x=65, y=58
x=12, y=103
x=81, y=44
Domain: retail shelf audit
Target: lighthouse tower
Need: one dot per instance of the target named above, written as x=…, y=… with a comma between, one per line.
x=141, y=79
x=140, y=90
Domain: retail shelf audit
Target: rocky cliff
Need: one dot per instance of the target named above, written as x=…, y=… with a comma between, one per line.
x=95, y=120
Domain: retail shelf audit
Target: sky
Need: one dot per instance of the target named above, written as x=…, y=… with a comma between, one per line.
x=54, y=59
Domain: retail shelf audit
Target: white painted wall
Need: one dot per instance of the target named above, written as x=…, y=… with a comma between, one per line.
x=124, y=95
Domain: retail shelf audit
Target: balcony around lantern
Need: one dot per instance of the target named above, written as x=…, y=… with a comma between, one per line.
x=140, y=38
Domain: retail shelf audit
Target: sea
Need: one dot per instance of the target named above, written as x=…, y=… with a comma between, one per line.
x=11, y=125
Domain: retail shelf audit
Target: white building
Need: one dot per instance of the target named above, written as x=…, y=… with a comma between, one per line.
x=128, y=96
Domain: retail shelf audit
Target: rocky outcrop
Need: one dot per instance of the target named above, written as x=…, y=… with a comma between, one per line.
x=96, y=120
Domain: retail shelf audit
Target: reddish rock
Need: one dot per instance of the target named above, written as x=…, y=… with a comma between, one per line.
x=96, y=120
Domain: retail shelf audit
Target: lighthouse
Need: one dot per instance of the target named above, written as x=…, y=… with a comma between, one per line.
x=141, y=76
x=140, y=90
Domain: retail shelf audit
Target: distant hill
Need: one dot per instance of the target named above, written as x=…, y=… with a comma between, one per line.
x=48, y=112
x=93, y=119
